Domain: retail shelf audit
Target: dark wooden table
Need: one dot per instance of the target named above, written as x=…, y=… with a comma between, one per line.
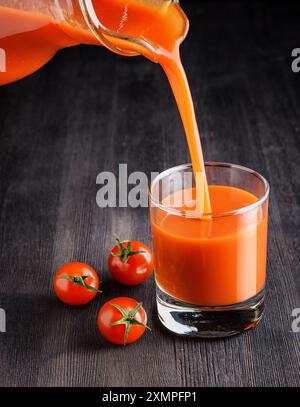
x=89, y=110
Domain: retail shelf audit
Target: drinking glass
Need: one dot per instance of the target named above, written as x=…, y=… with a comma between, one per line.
x=210, y=269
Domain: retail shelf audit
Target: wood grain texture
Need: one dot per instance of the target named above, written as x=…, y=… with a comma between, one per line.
x=87, y=111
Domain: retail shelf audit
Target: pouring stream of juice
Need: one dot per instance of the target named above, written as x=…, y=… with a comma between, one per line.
x=31, y=39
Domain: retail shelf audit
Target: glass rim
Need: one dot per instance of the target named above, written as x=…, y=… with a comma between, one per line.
x=196, y=214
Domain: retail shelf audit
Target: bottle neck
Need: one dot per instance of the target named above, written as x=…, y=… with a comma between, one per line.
x=84, y=25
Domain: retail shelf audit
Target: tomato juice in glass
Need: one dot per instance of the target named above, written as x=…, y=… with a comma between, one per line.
x=210, y=269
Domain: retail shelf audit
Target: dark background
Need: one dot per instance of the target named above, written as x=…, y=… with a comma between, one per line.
x=89, y=110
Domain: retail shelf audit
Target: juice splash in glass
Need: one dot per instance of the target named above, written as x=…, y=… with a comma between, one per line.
x=210, y=270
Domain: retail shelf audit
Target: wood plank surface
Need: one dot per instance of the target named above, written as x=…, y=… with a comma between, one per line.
x=88, y=111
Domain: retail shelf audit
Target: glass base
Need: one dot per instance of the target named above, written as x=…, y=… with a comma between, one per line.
x=209, y=322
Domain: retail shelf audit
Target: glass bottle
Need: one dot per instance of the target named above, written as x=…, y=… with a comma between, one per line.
x=32, y=31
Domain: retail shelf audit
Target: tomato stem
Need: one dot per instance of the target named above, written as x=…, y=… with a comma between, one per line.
x=125, y=251
x=128, y=319
x=80, y=280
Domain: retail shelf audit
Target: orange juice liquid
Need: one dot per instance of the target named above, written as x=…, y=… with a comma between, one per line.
x=215, y=262
x=31, y=39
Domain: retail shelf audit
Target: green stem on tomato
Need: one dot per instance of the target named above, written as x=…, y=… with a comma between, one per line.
x=125, y=251
x=128, y=319
x=79, y=280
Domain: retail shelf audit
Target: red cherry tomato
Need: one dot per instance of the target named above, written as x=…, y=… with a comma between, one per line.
x=130, y=262
x=76, y=283
x=122, y=320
